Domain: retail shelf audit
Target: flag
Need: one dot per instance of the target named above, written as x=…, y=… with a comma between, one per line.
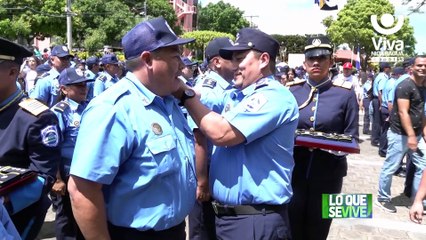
x=324, y=6
x=358, y=60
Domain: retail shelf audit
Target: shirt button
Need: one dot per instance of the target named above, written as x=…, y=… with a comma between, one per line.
x=311, y=129
x=312, y=118
x=313, y=108
x=314, y=100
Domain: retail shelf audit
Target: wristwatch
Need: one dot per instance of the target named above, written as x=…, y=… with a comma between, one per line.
x=187, y=94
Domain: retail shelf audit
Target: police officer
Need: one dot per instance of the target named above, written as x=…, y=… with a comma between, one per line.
x=47, y=88
x=108, y=77
x=29, y=139
x=250, y=170
x=188, y=70
x=324, y=106
x=92, y=73
x=213, y=86
x=137, y=181
x=73, y=92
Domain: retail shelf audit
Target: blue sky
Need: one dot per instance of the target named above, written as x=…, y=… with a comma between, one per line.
x=304, y=17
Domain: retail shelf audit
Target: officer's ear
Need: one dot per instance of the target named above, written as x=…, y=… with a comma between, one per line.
x=147, y=58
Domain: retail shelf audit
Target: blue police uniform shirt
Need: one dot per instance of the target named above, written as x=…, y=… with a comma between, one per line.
x=379, y=82
x=387, y=92
x=47, y=88
x=90, y=85
x=103, y=82
x=142, y=151
x=69, y=114
x=392, y=90
x=365, y=88
x=7, y=229
x=257, y=171
x=213, y=90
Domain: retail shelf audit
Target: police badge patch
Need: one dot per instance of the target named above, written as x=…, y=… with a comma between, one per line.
x=50, y=136
x=255, y=103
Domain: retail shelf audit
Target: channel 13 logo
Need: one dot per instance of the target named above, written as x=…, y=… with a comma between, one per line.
x=387, y=20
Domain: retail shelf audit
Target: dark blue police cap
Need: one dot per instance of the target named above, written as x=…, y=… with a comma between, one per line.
x=60, y=51
x=398, y=71
x=11, y=51
x=251, y=38
x=281, y=70
x=214, y=46
x=149, y=36
x=71, y=76
x=109, y=59
x=187, y=61
x=408, y=62
x=92, y=60
x=318, y=46
x=42, y=68
x=384, y=65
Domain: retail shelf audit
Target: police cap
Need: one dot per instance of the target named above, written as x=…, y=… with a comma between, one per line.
x=187, y=62
x=72, y=76
x=398, y=71
x=42, y=68
x=11, y=51
x=60, y=51
x=150, y=35
x=109, y=59
x=252, y=39
x=92, y=61
x=214, y=46
x=318, y=46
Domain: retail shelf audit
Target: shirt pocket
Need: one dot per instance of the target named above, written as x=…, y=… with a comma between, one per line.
x=163, y=150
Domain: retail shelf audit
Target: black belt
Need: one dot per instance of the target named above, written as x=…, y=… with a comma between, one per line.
x=254, y=209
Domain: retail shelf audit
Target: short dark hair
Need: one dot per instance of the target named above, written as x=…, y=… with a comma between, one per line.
x=417, y=56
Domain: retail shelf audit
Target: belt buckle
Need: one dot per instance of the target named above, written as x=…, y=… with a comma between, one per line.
x=220, y=210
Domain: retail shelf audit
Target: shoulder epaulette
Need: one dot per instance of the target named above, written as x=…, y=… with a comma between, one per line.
x=44, y=74
x=102, y=78
x=33, y=106
x=61, y=106
x=261, y=83
x=342, y=83
x=209, y=82
x=295, y=82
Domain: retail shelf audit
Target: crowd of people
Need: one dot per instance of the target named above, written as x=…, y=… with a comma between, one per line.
x=129, y=152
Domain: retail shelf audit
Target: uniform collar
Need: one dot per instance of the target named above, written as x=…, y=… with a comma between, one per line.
x=261, y=82
x=11, y=97
x=73, y=104
x=53, y=72
x=325, y=82
x=147, y=96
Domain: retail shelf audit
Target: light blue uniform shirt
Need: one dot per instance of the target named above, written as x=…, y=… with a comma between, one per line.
x=259, y=170
x=69, y=114
x=377, y=82
x=103, y=82
x=398, y=81
x=213, y=89
x=387, y=92
x=90, y=85
x=365, y=88
x=47, y=88
x=140, y=147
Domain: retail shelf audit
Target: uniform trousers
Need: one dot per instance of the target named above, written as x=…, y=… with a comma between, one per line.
x=383, y=144
x=202, y=222
x=305, y=208
x=376, y=126
x=123, y=233
x=366, y=106
x=272, y=226
x=66, y=227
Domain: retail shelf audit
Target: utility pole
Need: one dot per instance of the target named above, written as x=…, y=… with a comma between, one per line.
x=144, y=10
x=251, y=19
x=69, y=24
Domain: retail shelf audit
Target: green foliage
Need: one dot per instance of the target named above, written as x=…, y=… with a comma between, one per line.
x=353, y=25
x=221, y=17
x=202, y=38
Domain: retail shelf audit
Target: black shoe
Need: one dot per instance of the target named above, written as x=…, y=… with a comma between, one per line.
x=386, y=206
x=366, y=132
x=382, y=154
x=375, y=144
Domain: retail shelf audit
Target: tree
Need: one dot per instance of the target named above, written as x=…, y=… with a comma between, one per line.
x=353, y=26
x=221, y=17
x=290, y=44
x=416, y=8
x=202, y=38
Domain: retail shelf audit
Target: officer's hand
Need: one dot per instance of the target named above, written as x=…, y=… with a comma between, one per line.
x=416, y=212
x=59, y=187
x=203, y=192
x=412, y=143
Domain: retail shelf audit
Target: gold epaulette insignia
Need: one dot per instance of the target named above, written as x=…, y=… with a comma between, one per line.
x=33, y=106
x=296, y=82
x=342, y=83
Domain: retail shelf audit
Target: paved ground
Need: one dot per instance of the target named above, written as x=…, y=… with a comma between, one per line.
x=362, y=177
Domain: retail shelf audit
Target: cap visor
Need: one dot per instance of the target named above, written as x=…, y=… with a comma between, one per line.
x=64, y=55
x=227, y=52
x=317, y=52
x=179, y=41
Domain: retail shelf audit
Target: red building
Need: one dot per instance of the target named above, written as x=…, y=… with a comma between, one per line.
x=186, y=12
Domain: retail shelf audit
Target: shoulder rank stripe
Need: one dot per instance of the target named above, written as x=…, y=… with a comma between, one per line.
x=342, y=83
x=33, y=106
x=293, y=83
x=208, y=82
x=61, y=106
